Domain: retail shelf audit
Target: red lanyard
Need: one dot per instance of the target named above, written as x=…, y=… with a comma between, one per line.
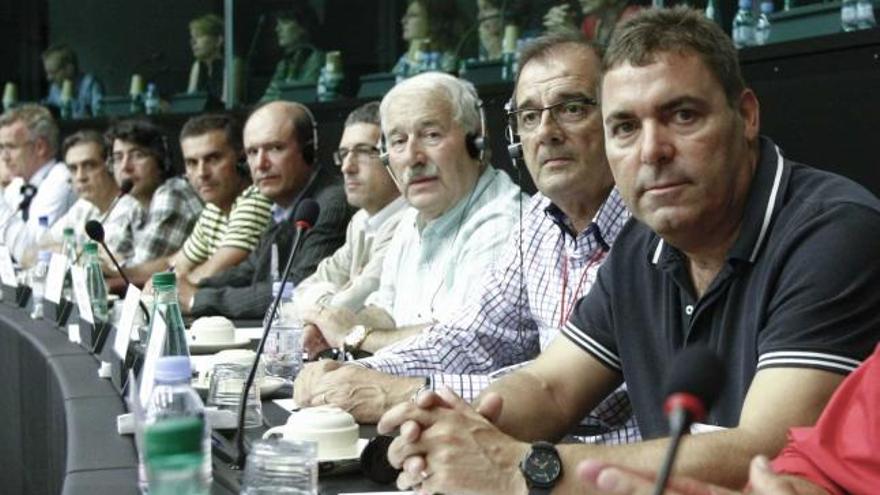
x=563, y=314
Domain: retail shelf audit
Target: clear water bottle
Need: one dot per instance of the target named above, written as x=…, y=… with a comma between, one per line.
x=38, y=282
x=849, y=15
x=762, y=28
x=151, y=100
x=743, y=31
x=176, y=458
x=95, y=283
x=68, y=249
x=283, y=350
x=331, y=77
x=865, y=14
x=167, y=308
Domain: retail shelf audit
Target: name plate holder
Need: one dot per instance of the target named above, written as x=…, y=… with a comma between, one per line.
x=123, y=353
x=94, y=335
x=55, y=306
x=16, y=296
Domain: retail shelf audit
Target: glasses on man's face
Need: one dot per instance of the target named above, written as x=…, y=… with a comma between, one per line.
x=564, y=113
x=361, y=154
x=13, y=147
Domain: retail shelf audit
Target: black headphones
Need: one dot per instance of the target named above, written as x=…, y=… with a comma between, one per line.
x=474, y=143
x=514, y=146
x=309, y=147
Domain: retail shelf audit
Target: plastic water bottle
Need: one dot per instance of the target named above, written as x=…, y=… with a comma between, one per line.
x=176, y=458
x=330, y=79
x=95, y=283
x=762, y=28
x=167, y=307
x=849, y=15
x=68, y=249
x=151, y=100
x=38, y=282
x=283, y=351
x=743, y=31
x=865, y=14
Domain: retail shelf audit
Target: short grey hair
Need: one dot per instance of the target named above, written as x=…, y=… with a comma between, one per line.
x=38, y=121
x=461, y=95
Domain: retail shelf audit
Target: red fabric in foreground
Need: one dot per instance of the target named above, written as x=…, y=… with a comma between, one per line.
x=841, y=453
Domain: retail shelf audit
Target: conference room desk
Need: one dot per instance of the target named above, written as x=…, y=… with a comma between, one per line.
x=58, y=421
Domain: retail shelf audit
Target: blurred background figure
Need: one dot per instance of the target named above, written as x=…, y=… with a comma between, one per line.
x=302, y=61
x=491, y=29
x=61, y=64
x=206, y=41
x=596, y=19
x=431, y=30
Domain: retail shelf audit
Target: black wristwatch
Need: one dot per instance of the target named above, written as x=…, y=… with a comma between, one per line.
x=541, y=467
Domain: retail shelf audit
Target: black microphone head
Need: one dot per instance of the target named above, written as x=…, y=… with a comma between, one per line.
x=698, y=372
x=28, y=191
x=95, y=231
x=125, y=187
x=306, y=213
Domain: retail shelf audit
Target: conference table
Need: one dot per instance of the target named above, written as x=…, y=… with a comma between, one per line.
x=58, y=419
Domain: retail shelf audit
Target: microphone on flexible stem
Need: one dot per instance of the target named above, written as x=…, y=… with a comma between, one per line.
x=95, y=231
x=692, y=385
x=27, y=195
x=304, y=218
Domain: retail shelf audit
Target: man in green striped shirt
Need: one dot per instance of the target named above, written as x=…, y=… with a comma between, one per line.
x=235, y=213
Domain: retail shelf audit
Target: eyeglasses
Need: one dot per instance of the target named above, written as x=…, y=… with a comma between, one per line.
x=564, y=113
x=361, y=154
x=13, y=147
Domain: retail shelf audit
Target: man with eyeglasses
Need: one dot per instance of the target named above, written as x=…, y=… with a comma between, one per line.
x=168, y=205
x=345, y=279
x=28, y=143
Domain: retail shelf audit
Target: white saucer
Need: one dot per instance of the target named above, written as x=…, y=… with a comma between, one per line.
x=362, y=442
x=213, y=348
x=270, y=385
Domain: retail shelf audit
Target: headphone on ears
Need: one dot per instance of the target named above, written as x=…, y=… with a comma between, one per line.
x=514, y=146
x=474, y=143
x=309, y=147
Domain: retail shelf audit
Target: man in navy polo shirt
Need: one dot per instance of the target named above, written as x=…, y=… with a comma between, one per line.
x=768, y=262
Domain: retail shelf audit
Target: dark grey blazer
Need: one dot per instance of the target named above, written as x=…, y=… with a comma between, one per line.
x=245, y=290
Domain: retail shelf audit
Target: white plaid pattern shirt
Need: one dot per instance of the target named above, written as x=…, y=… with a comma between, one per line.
x=519, y=312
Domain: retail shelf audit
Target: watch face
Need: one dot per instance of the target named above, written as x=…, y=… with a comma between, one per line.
x=543, y=467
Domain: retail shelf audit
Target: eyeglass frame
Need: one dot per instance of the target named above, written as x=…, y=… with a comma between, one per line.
x=513, y=115
x=372, y=152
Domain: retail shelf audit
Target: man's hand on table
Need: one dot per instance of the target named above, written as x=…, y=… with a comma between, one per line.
x=313, y=341
x=616, y=480
x=334, y=323
x=447, y=446
x=366, y=394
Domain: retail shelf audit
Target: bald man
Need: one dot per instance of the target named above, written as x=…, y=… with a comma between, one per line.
x=279, y=141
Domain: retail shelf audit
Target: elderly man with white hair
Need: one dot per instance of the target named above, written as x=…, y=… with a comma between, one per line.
x=461, y=212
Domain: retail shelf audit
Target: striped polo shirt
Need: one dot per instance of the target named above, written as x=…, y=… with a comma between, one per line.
x=241, y=229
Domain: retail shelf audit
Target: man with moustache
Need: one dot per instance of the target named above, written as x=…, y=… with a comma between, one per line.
x=280, y=143
x=733, y=247
x=352, y=273
x=235, y=213
x=567, y=230
x=462, y=210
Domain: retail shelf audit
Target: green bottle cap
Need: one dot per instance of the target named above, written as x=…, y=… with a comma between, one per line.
x=68, y=231
x=164, y=279
x=90, y=248
x=173, y=436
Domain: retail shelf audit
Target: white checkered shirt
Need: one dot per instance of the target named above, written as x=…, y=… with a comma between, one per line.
x=519, y=311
